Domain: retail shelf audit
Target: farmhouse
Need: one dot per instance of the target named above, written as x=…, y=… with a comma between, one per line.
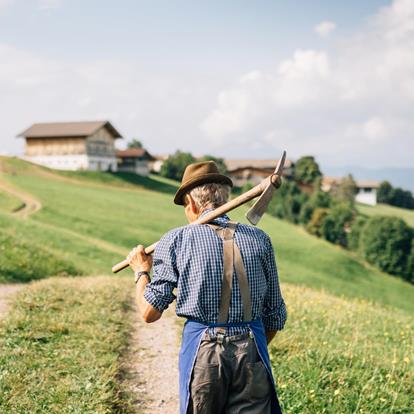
x=367, y=189
x=254, y=171
x=135, y=160
x=72, y=145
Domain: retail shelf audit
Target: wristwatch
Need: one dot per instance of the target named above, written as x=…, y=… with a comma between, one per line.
x=141, y=273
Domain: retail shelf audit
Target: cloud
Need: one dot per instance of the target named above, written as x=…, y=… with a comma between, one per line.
x=49, y=4
x=325, y=28
x=335, y=104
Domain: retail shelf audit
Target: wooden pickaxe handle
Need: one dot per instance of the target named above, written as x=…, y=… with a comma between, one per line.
x=219, y=211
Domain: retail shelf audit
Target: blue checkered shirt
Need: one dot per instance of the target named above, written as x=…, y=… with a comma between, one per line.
x=190, y=258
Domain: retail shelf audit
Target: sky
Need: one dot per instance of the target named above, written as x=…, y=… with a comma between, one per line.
x=237, y=79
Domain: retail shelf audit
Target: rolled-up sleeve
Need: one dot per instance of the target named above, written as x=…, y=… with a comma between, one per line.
x=274, y=313
x=159, y=292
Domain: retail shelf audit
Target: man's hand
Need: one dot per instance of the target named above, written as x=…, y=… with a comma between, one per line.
x=138, y=260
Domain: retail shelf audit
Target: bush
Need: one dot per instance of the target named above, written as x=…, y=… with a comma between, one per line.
x=315, y=224
x=319, y=199
x=336, y=223
x=386, y=243
x=355, y=232
x=287, y=202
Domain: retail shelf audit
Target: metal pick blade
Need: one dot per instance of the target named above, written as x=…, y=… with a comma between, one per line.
x=280, y=164
x=256, y=212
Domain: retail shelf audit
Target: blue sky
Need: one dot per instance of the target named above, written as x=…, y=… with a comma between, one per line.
x=233, y=78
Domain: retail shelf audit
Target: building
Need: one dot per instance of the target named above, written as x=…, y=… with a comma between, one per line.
x=367, y=189
x=72, y=145
x=254, y=171
x=367, y=192
x=156, y=163
x=135, y=160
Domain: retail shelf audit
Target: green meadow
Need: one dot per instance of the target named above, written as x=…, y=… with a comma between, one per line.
x=386, y=210
x=347, y=345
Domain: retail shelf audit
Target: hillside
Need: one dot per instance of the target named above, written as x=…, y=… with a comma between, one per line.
x=387, y=210
x=338, y=353
x=93, y=219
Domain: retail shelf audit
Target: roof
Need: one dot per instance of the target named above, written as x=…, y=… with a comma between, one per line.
x=260, y=170
x=359, y=183
x=134, y=153
x=367, y=184
x=262, y=164
x=67, y=129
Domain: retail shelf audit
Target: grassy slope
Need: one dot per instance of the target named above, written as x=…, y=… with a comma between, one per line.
x=60, y=345
x=8, y=202
x=386, y=210
x=95, y=207
x=335, y=355
x=343, y=356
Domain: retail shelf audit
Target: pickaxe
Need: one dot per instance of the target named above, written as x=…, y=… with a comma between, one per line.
x=265, y=190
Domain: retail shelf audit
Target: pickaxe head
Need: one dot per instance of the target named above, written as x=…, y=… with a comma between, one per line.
x=271, y=183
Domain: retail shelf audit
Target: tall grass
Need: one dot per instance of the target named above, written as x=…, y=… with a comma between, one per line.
x=59, y=347
x=343, y=356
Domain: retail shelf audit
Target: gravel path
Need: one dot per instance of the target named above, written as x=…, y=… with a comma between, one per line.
x=150, y=365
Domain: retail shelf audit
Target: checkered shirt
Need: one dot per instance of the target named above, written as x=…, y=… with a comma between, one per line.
x=190, y=258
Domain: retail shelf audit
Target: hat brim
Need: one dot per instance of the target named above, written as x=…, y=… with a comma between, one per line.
x=196, y=181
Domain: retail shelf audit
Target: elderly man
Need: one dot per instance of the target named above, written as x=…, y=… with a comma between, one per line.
x=227, y=289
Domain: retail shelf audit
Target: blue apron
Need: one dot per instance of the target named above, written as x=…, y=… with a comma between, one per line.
x=191, y=339
x=194, y=330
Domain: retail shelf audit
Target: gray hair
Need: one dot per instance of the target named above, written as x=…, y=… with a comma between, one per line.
x=211, y=195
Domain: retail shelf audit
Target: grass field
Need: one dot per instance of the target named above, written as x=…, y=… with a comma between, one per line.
x=342, y=356
x=60, y=345
x=347, y=346
x=386, y=210
x=8, y=202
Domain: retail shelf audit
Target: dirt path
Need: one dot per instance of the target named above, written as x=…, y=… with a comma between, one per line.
x=6, y=292
x=30, y=204
x=150, y=365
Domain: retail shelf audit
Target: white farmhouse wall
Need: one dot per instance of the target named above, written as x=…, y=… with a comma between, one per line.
x=367, y=197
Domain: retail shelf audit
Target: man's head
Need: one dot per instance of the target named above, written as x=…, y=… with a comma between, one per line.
x=202, y=187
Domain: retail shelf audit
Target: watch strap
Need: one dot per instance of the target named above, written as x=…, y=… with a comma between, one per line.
x=141, y=273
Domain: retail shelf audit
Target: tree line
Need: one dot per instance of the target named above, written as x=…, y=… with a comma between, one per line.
x=386, y=242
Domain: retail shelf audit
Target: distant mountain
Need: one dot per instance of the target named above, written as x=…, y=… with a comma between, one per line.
x=398, y=177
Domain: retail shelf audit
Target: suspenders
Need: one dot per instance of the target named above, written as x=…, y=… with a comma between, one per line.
x=232, y=261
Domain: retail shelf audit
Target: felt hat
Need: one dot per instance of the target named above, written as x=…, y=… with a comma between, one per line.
x=199, y=173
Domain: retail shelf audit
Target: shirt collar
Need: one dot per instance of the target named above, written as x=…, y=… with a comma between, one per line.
x=222, y=218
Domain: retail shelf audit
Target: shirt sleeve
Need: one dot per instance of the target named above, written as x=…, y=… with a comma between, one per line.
x=274, y=309
x=159, y=292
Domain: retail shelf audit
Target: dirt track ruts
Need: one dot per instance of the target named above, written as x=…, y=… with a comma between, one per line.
x=150, y=365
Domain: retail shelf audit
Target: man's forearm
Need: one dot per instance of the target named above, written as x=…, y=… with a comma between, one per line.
x=148, y=313
x=270, y=335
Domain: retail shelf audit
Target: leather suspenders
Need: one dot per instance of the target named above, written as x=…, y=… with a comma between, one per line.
x=232, y=261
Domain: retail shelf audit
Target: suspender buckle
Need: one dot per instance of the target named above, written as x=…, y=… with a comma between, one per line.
x=220, y=337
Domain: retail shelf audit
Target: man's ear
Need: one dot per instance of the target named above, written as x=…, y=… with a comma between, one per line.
x=193, y=205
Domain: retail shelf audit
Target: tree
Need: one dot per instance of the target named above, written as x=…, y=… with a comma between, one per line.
x=307, y=170
x=386, y=242
x=345, y=192
x=384, y=192
x=135, y=143
x=315, y=224
x=336, y=224
x=287, y=202
x=354, y=235
x=221, y=165
x=174, y=166
x=318, y=199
